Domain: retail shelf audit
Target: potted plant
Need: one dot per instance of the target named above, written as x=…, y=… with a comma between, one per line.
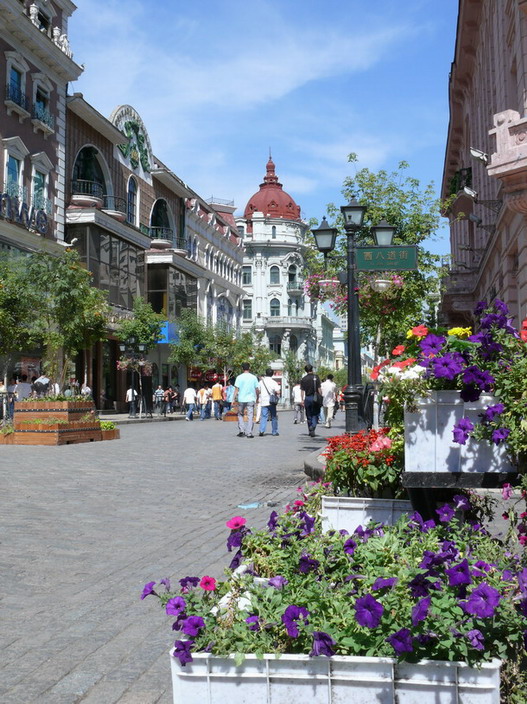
x=462, y=395
x=386, y=614
x=109, y=430
x=363, y=472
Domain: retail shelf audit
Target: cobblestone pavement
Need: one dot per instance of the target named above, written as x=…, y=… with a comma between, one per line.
x=84, y=527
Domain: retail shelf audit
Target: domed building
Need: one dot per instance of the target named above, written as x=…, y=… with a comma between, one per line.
x=272, y=277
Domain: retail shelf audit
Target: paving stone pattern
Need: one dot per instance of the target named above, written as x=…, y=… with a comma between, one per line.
x=84, y=527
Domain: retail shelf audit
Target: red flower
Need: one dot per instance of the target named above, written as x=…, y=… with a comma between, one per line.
x=236, y=522
x=375, y=371
x=420, y=331
x=404, y=363
x=208, y=584
x=398, y=350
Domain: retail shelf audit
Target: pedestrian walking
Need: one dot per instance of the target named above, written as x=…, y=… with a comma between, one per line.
x=159, y=400
x=311, y=396
x=131, y=400
x=189, y=400
x=228, y=396
x=201, y=401
x=246, y=393
x=269, y=395
x=329, y=396
x=298, y=404
x=217, y=399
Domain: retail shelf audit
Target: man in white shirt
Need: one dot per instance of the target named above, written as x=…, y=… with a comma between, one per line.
x=131, y=399
x=298, y=404
x=329, y=395
x=268, y=387
x=189, y=400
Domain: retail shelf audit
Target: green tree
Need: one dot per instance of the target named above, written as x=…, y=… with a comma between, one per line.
x=144, y=326
x=70, y=314
x=409, y=296
x=17, y=305
x=218, y=347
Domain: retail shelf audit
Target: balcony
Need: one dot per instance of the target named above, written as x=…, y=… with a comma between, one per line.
x=42, y=120
x=87, y=194
x=162, y=237
x=115, y=207
x=295, y=287
x=16, y=101
x=460, y=180
x=287, y=321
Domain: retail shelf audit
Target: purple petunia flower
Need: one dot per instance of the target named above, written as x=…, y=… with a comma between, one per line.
x=235, y=539
x=383, y=583
x=482, y=601
x=254, y=622
x=482, y=565
x=187, y=583
x=478, y=377
x=448, y=366
x=175, y=606
x=522, y=580
x=470, y=393
x=307, y=564
x=462, y=429
x=492, y=411
x=476, y=639
x=166, y=583
x=500, y=435
x=401, y=641
x=459, y=574
x=322, y=644
x=148, y=589
x=236, y=560
x=461, y=502
x=192, y=625
x=350, y=546
x=420, y=610
x=290, y=617
x=309, y=524
x=278, y=582
x=182, y=651
x=445, y=513
x=368, y=611
x=273, y=521
x=420, y=586
x=431, y=344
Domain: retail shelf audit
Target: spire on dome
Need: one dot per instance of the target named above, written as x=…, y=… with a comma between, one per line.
x=270, y=176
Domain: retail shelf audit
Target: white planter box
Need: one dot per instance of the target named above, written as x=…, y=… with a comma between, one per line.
x=428, y=441
x=210, y=679
x=348, y=512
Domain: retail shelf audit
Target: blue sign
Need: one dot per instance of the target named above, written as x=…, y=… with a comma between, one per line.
x=169, y=334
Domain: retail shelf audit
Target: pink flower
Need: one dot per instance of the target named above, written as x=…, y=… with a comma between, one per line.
x=507, y=491
x=236, y=522
x=398, y=350
x=208, y=584
x=299, y=503
x=523, y=539
x=382, y=443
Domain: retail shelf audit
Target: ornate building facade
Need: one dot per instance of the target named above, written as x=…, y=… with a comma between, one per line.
x=485, y=170
x=274, y=301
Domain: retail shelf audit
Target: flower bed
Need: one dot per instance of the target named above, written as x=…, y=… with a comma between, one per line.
x=415, y=591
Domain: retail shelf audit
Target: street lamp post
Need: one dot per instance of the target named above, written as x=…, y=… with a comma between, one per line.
x=135, y=351
x=324, y=235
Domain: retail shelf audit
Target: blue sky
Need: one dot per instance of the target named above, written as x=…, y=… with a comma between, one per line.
x=218, y=83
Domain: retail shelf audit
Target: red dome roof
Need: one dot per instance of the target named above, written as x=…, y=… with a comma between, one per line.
x=271, y=199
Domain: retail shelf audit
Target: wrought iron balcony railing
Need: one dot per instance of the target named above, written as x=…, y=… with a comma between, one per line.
x=15, y=94
x=83, y=187
x=114, y=203
x=161, y=233
x=42, y=115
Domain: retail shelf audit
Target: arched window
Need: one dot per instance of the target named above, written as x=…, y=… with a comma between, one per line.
x=274, y=307
x=273, y=232
x=275, y=344
x=131, y=211
x=274, y=275
x=292, y=274
x=160, y=221
x=88, y=176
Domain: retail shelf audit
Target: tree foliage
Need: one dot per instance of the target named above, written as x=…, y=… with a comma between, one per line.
x=218, y=347
x=70, y=314
x=411, y=296
x=18, y=300
x=144, y=326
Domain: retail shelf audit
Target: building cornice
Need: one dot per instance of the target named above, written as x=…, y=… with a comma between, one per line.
x=92, y=117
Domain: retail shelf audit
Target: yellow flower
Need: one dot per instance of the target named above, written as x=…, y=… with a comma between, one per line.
x=459, y=332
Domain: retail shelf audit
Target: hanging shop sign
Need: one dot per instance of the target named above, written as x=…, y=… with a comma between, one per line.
x=393, y=258
x=20, y=213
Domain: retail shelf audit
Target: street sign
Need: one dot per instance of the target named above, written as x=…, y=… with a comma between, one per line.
x=394, y=258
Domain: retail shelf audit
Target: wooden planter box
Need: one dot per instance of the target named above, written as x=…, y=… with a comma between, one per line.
x=64, y=410
x=114, y=434
x=68, y=436
x=7, y=439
